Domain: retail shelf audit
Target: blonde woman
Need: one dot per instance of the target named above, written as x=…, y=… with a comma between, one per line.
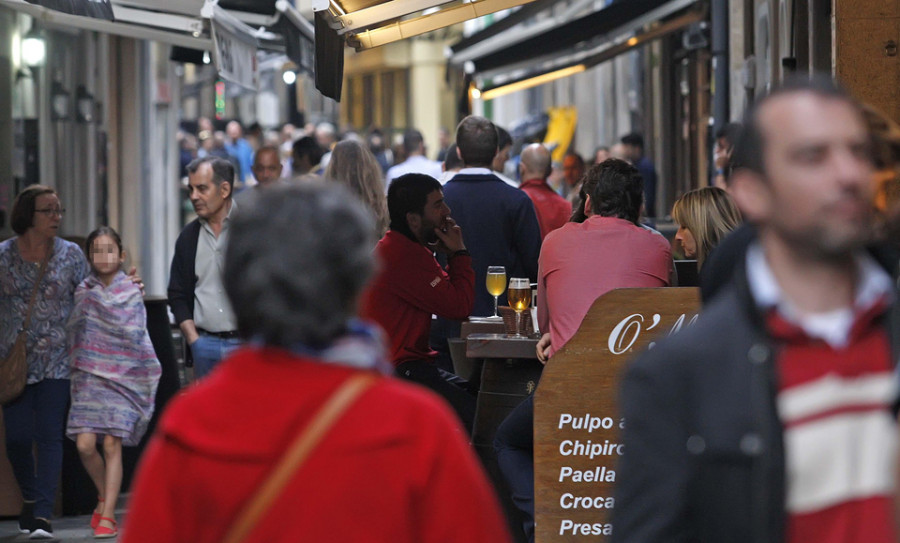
x=353, y=165
x=704, y=217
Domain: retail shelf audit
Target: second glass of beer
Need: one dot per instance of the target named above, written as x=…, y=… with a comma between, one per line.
x=519, y=296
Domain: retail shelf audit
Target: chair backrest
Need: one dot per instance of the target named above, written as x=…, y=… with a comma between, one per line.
x=688, y=274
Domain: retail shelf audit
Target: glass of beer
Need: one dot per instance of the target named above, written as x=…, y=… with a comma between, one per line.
x=496, y=283
x=519, y=296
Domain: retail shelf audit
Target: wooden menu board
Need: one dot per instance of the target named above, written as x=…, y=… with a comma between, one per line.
x=576, y=418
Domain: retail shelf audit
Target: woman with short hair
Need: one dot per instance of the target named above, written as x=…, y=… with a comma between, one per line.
x=35, y=421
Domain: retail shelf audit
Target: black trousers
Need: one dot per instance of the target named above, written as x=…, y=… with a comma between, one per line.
x=514, y=444
x=449, y=386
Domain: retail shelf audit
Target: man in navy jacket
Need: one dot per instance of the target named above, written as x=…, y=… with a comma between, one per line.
x=499, y=220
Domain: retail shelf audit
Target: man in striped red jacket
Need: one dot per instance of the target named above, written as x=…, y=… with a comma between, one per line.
x=770, y=420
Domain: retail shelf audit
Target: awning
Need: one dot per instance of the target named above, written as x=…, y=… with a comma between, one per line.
x=365, y=24
x=523, y=58
x=272, y=25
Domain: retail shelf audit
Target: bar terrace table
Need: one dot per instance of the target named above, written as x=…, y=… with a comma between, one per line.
x=509, y=373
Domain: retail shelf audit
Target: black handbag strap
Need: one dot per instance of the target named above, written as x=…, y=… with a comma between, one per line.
x=27, y=322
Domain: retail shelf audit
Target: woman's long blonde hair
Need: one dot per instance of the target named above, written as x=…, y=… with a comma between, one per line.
x=709, y=214
x=356, y=167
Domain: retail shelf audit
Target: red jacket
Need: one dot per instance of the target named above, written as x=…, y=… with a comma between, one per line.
x=395, y=467
x=409, y=289
x=552, y=210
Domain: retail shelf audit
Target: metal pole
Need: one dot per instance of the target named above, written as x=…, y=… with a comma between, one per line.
x=720, y=33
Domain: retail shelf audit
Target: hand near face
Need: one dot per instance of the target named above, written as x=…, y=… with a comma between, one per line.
x=449, y=237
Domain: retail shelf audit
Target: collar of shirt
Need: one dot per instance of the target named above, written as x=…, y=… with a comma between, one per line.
x=416, y=158
x=227, y=218
x=475, y=171
x=873, y=285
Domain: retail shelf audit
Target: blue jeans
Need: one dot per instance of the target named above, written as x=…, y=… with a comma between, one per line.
x=514, y=444
x=38, y=417
x=209, y=350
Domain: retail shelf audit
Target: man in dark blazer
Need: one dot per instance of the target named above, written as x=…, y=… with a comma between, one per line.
x=771, y=418
x=499, y=220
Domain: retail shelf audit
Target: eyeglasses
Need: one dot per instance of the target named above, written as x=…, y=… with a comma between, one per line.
x=52, y=211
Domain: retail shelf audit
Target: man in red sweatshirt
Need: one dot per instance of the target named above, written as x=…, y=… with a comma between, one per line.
x=412, y=286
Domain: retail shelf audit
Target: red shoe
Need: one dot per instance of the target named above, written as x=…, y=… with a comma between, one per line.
x=102, y=532
x=95, y=517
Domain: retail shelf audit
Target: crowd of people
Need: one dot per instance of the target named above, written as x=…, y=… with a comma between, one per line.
x=328, y=274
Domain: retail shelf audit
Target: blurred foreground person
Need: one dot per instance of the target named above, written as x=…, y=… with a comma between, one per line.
x=769, y=419
x=704, y=216
x=391, y=465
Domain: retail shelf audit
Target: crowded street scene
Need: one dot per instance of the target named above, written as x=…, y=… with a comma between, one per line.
x=474, y=271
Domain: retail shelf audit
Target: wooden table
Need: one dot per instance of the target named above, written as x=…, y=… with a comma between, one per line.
x=500, y=346
x=509, y=373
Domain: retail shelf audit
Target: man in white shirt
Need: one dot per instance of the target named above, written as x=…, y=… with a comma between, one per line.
x=416, y=161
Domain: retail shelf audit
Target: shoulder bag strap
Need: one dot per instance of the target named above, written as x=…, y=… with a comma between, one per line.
x=27, y=322
x=296, y=454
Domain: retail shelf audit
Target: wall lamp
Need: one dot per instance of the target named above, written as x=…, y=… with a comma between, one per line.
x=59, y=102
x=84, y=105
x=34, y=48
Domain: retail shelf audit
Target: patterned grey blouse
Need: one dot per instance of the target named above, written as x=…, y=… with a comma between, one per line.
x=46, y=345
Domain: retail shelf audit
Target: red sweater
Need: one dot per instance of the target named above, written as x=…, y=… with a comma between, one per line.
x=395, y=467
x=552, y=210
x=409, y=289
x=839, y=433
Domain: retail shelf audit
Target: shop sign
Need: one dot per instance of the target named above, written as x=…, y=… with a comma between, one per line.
x=235, y=55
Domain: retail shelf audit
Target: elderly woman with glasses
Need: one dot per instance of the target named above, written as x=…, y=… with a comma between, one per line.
x=35, y=421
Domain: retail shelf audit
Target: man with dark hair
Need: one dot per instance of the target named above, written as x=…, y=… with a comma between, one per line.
x=504, y=146
x=579, y=263
x=239, y=148
x=306, y=155
x=573, y=171
x=770, y=419
x=444, y=143
x=582, y=261
x=725, y=138
x=196, y=294
x=412, y=286
x=500, y=221
x=634, y=149
x=451, y=165
x=416, y=161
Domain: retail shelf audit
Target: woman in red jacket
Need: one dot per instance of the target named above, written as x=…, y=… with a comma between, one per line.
x=391, y=465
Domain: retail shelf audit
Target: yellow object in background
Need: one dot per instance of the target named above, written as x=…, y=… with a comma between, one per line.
x=560, y=130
